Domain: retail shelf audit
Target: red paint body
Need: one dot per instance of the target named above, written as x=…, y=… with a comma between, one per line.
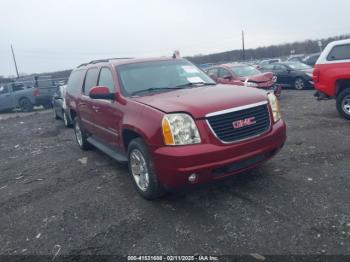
x=326, y=76
x=109, y=120
x=329, y=74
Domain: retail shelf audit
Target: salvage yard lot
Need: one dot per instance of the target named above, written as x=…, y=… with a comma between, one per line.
x=57, y=199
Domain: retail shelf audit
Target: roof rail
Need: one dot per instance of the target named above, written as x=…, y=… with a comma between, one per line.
x=103, y=60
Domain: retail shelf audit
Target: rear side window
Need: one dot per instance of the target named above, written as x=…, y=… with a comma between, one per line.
x=75, y=82
x=340, y=52
x=17, y=87
x=90, y=80
x=106, y=79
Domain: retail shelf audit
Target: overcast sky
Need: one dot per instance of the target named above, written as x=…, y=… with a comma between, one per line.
x=55, y=35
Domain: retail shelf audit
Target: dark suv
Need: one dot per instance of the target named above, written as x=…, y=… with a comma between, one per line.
x=171, y=122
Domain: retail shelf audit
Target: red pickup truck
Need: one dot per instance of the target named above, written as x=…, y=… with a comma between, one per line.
x=332, y=75
x=170, y=122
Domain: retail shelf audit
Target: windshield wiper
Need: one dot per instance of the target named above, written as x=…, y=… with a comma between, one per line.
x=198, y=83
x=151, y=89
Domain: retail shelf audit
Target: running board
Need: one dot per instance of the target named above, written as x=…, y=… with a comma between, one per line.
x=108, y=150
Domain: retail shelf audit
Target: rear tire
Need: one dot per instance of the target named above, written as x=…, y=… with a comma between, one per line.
x=26, y=105
x=55, y=113
x=81, y=135
x=47, y=105
x=141, y=169
x=343, y=103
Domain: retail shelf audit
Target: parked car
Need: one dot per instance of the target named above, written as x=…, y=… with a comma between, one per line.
x=166, y=120
x=244, y=75
x=332, y=75
x=311, y=59
x=18, y=95
x=291, y=74
x=296, y=58
x=268, y=62
x=59, y=106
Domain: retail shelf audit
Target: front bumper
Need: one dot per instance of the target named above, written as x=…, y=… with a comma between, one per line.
x=210, y=161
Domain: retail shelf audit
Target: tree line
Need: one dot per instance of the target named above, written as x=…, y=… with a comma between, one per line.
x=282, y=50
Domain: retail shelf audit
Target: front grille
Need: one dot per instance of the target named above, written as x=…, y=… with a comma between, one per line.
x=223, y=127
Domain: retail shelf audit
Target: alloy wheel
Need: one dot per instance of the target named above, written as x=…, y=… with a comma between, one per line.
x=139, y=169
x=346, y=104
x=78, y=134
x=299, y=84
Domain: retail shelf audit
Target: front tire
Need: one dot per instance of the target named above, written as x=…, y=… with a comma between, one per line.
x=141, y=168
x=299, y=83
x=343, y=103
x=26, y=105
x=66, y=120
x=81, y=135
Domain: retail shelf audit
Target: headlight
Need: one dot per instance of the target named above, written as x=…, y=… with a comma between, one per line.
x=251, y=84
x=275, y=106
x=180, y=129
x=274, y=79
x=310, y=75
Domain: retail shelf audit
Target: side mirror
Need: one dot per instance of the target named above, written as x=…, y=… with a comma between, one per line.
x=101, y=92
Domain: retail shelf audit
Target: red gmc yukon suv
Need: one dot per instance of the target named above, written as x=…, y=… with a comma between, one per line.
x=332, y=75
x=170, y=122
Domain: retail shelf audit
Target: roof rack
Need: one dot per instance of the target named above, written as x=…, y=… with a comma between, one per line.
x=103, y=60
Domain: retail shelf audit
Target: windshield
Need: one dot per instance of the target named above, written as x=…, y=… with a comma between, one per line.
x=245, y=71
x=298, y=66
x=160, y=76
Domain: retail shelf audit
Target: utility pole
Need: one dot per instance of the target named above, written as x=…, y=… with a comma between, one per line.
x=14, y=60
x=243, y=49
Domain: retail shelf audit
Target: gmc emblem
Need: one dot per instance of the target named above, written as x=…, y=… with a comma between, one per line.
x=244, y=122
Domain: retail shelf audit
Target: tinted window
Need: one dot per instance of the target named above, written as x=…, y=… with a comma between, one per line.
x=3, y=90
x=17, y=87
x=339, y=53
x=223, y=73
x=74, y=82
x=106, y=79
x=90, y=80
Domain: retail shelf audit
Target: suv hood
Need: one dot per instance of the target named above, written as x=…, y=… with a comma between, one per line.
x=199, y=101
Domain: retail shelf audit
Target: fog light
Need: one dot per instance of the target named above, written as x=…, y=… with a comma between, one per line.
x=192, y=178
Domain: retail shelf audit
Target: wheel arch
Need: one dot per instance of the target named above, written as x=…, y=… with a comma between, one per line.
x=129, y=133
x=341, y=84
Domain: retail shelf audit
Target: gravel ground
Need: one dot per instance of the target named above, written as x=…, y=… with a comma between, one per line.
x=57, y=199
